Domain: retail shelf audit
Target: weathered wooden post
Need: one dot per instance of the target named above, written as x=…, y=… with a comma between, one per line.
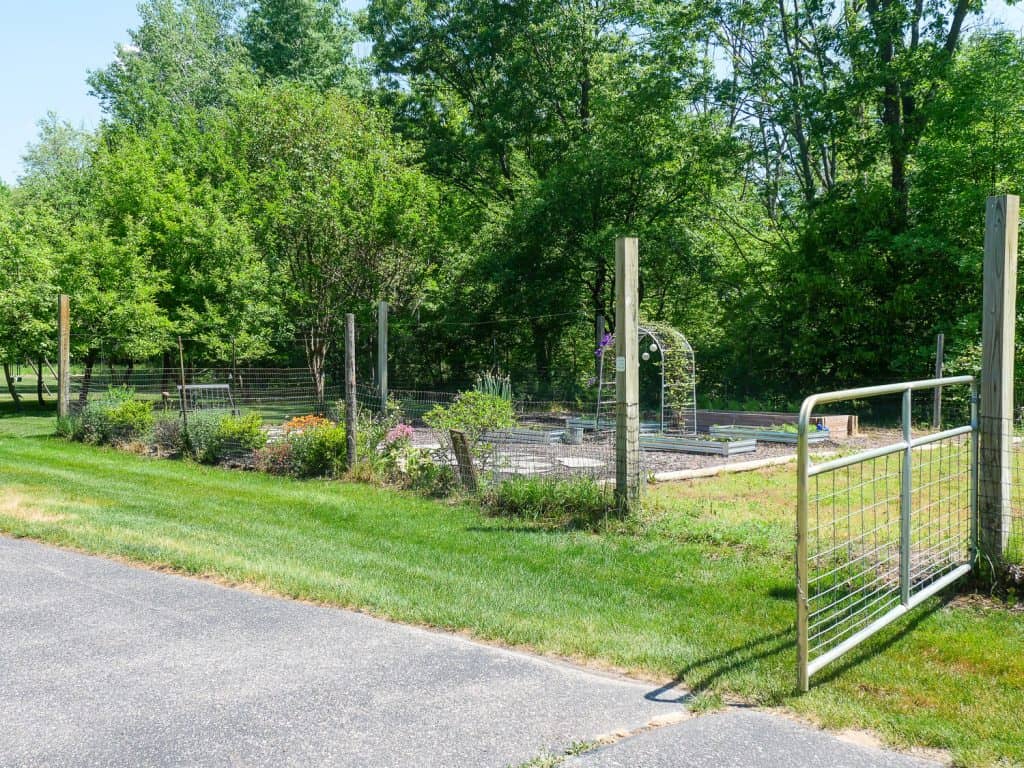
x=350, y=388
x=940, y=342
x=382, y=354
x=63, y=356
x=627, y=375
x=464, y=459
x=182, y=394
x=995, y=414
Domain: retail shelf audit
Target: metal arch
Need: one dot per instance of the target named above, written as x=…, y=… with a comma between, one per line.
x=677, y=344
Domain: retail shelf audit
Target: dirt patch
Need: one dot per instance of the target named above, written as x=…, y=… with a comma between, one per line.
x=19, y=506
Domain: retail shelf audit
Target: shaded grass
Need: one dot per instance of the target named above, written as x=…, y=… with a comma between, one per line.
x=700, y=590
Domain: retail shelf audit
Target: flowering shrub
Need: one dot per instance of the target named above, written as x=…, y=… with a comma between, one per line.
x=300, y=423
x=400, y=433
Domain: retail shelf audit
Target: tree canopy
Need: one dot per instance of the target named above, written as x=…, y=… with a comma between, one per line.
x=806, y=178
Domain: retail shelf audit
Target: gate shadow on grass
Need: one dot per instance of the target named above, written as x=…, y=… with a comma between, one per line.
x=704, y=673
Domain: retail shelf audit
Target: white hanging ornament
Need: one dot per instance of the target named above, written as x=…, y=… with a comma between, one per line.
x=646, y=356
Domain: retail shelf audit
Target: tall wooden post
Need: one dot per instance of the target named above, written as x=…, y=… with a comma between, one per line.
x=350, y=388
x=627, y=375
x=182, y=394
x=995, y=414
x=382, y=354
x=63, y=356
x=940, y=342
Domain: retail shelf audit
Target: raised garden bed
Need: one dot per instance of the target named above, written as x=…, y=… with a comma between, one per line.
x=770, y=434
x=684, y=444
x=528, y=436
x=649, y=427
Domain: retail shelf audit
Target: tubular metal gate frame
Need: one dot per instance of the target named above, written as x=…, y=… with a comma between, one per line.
x=908, y=597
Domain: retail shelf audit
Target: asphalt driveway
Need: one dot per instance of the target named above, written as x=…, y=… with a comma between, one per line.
x=102, y=664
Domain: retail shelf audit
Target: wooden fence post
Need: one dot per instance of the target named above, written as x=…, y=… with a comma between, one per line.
x=463, y=459
x=995, y=415
x=182, y=394
x=63, y=355
x=940, y=342
x=350, y=388
x=382, y=354
x=627, y=375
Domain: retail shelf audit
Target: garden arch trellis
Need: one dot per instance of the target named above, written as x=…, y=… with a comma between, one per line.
x=665, y=346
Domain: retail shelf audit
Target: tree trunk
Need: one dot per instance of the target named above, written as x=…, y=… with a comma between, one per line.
x=542, y=356
x=90, y=362
x=316, y=355
x=597, y=295
x=11, y=387
x=39, y=381
x=165, y=380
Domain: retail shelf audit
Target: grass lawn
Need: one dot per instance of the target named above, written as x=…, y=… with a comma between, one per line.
x=701, y=590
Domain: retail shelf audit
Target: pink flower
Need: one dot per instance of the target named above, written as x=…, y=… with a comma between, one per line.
x=399, y=433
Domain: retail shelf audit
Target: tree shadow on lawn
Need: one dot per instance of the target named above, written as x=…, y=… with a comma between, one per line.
x=8, y=410
x=704, y=673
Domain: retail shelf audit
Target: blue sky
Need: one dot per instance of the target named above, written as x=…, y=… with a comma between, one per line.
x=48, y=46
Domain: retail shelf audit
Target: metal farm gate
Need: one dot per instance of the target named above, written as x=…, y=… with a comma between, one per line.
x=882, y=530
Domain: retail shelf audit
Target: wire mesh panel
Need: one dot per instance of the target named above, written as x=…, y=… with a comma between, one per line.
x=205, y=397
x=278, y=394
x=879, y=531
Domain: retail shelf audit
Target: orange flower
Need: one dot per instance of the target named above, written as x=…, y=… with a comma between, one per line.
x=301, y=423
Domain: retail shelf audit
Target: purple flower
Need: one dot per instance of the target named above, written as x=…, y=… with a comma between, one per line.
x=605, y=344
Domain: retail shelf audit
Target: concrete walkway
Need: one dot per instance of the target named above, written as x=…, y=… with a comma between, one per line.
x=102, y=664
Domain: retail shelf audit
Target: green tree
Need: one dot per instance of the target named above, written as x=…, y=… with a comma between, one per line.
x=310, y=41
x=113, y=286
x=163, y=192
x=184, y=56
x=337, y=205
x=27, y=290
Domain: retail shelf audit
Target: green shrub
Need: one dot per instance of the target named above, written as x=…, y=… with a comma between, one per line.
x=275, y=458
x=115, y=417
x=243, y=432
x=201, y=433
x=66, y=427
x=130, y=418
x=213, y=435
x=475, y=414
x=167, y=435
x=577, y=502
x=425, y=475
x=318, y=452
